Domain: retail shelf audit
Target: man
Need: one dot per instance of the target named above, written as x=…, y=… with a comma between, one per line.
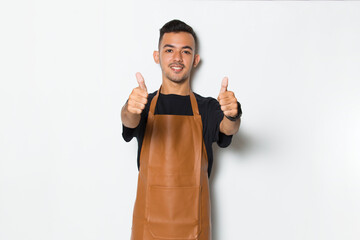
x=175, y=129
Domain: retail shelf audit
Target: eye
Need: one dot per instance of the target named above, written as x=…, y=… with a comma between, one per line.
x=187, y=52
x=168, y=50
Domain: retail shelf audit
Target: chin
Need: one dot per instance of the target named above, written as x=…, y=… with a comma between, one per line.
x=177, y=79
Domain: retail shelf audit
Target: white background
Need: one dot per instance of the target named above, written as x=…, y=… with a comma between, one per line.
x=67, y=67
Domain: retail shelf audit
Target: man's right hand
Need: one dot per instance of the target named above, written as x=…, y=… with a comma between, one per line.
x=130, y=113
x=138, y=97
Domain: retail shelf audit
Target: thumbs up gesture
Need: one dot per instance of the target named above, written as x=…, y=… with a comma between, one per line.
x=138, y=97
x=227, y=100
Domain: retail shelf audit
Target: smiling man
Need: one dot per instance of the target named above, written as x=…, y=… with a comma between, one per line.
x=175, y=129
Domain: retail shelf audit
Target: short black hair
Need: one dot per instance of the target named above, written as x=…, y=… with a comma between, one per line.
x=176, y=26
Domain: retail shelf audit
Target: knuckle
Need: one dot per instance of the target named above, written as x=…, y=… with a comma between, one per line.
x=134, y=91
x=137, y=90
x=132, y=95
x=131, y=110
x=130, y=102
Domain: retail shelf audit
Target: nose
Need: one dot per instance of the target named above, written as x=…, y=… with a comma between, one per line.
x=178, y=56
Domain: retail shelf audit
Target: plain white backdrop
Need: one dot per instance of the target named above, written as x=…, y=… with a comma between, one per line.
x=67, y=67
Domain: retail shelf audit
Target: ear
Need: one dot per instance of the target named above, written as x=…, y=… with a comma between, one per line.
x=156, y=57
x=196, y=60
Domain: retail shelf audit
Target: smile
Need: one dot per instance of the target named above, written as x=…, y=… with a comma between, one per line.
x=176, y=68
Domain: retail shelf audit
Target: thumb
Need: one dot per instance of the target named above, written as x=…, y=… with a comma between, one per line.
x=141, y=81
x=224, y=85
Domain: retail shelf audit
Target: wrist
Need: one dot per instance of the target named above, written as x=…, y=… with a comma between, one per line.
x=234, y=118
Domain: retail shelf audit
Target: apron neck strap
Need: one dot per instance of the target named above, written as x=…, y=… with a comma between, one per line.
x=194, y=105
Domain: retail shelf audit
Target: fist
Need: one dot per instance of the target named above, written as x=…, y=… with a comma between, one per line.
x=138, y=97
x=227, y=100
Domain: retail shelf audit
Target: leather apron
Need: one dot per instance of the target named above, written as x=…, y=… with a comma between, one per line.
x=173, y=200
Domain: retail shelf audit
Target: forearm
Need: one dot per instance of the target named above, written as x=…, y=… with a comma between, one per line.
x=229, y=127
x=129, y=119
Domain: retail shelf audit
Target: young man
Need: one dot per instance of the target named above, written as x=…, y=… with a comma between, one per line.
x=175, y=129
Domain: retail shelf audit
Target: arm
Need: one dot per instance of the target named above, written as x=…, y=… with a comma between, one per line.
x=131, y=111
x=229, y=127
x=128, y=118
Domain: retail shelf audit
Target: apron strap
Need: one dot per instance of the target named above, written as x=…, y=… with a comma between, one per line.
x=194, y=105
x=153, y=103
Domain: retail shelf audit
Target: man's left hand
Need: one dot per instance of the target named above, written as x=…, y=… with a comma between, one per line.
x=227, y=100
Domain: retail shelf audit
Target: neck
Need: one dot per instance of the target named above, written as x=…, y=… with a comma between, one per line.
x=181, y=88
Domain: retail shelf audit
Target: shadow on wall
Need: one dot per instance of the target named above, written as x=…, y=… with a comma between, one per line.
x=241, y=143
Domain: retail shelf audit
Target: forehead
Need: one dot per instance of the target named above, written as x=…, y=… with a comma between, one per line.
x=178, y=39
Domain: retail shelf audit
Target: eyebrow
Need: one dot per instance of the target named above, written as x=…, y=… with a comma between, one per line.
x=172, y=46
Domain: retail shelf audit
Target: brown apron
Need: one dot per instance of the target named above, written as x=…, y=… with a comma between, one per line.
x=173, y=199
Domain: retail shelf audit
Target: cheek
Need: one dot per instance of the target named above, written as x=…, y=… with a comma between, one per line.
x=189, y=60
x=164, y=59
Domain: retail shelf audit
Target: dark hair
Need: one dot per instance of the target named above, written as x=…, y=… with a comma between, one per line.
x=176, y=26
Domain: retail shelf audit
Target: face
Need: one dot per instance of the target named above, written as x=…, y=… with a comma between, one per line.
x=176, y=56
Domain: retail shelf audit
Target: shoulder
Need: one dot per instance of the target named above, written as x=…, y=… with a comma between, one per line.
x=152, y=95
x=150, y=98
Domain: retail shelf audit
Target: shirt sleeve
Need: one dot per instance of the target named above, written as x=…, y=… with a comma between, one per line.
x=215, y=118
x=138, y=132
x=128, y=133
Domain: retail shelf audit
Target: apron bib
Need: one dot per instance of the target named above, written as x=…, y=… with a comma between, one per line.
x=173, y=190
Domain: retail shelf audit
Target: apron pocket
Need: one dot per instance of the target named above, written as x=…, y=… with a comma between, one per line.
x=174, y=212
